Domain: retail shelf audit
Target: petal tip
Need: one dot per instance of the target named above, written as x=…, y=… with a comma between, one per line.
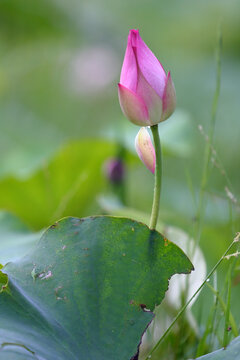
x=133, y=37
x=134, y=31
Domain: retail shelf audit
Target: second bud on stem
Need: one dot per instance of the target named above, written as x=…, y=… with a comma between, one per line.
x=152, y=160
x=145, y=149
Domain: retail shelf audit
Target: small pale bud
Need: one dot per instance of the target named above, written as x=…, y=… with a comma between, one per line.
x=145, y=149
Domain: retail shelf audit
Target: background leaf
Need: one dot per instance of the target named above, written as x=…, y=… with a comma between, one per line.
x=15, y=238
x=67, y=185
x=232, y=352
x=81, y=292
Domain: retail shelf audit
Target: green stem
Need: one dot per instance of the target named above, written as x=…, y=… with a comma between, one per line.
x=158, y=178
x=192, y=297
x=227, y=313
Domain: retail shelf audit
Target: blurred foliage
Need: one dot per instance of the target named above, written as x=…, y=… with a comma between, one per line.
x=231, y=353
x=67, y=184
x=16, y=240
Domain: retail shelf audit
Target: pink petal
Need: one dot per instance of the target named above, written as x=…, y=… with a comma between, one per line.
x=145, y=149
x=169, y=98
x=150, y=66
x=128, y=76
x=150, y=98
x=133, y=106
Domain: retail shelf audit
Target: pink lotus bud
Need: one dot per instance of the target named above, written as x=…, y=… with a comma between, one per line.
x=145, y=149
x=147, y=95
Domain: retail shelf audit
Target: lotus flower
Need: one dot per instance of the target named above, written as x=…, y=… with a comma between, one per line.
x=146, y=94
x=145, y=149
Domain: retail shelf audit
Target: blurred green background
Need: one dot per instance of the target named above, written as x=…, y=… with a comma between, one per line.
x=60, y=62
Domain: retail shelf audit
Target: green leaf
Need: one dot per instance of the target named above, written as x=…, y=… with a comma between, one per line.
x=66, y=186
x=3, y=281
x=232, y=352
x=27, y=20
x=87, y=290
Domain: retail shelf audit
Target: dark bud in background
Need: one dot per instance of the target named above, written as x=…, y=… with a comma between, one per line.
x=115, y=170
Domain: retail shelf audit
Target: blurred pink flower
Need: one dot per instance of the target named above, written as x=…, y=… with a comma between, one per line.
x=147, y=95
x=93, y=69
x=145, y=149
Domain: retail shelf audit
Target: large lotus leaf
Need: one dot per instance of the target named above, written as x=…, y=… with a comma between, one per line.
x=86, y=290
x=67, y=185
x=232, y=352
